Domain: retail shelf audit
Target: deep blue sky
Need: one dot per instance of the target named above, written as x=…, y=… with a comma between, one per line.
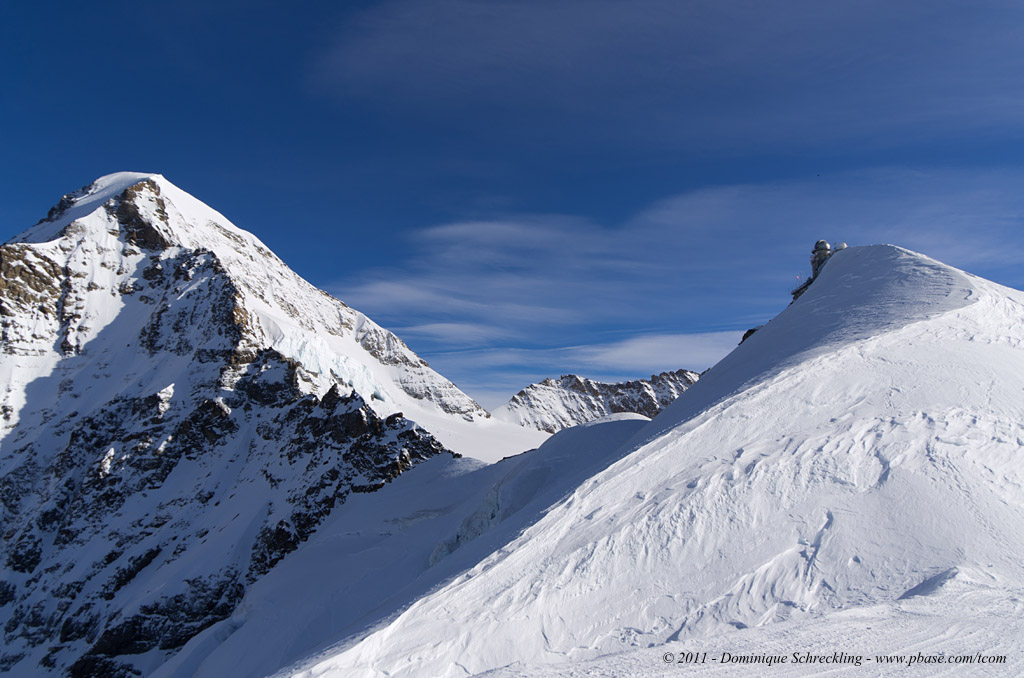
x=526, y=188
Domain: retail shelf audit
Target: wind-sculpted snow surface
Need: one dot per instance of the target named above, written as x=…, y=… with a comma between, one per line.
x=554, y=404
x=861, y=451
x=969, y=627
x=180, y=412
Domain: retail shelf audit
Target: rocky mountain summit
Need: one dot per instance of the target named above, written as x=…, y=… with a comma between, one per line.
x=180, y=411
x=554, y=404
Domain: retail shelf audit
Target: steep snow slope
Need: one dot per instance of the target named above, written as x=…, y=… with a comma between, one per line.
x=126, y=226
x=180, y=411
x=379, y=551
x=554, y=404
x=862, y=448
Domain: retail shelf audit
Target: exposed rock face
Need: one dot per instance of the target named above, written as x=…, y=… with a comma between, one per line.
x=181, y=411
x=554, y=404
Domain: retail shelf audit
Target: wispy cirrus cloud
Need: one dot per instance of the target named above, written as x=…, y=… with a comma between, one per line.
x=648, y=353
x=458, y=334
x=633, y=356
x=492, y=303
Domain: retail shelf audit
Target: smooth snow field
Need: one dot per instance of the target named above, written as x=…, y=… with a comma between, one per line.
x=848, y=480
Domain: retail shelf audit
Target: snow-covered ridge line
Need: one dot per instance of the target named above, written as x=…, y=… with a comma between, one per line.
x=80, y=203
x=860, y=451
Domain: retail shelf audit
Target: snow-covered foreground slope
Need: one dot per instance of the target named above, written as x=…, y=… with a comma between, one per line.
x=966, y=628
x=554, y=404
x=859, y=455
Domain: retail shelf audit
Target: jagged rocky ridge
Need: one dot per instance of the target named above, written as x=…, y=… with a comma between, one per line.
x=180, y=411
x=554, y=404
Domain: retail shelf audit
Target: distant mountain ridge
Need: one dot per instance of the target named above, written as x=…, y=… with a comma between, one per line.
x=554, y=404
x=181, y=410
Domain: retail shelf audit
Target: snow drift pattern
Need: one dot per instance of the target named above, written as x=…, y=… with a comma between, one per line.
x=863, y=448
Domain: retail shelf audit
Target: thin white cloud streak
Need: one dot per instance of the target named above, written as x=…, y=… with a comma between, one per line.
x=703, y=72
x=457, y=334
x=716, y=251
x=447, y=294
x=658, y=352
x=635, y=355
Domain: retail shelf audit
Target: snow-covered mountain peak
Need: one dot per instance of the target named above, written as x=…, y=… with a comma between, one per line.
x=80, y=203
x=180, y=411
x=150, y=213
x=132, y=230
x=144, y=198
x=862, y=293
